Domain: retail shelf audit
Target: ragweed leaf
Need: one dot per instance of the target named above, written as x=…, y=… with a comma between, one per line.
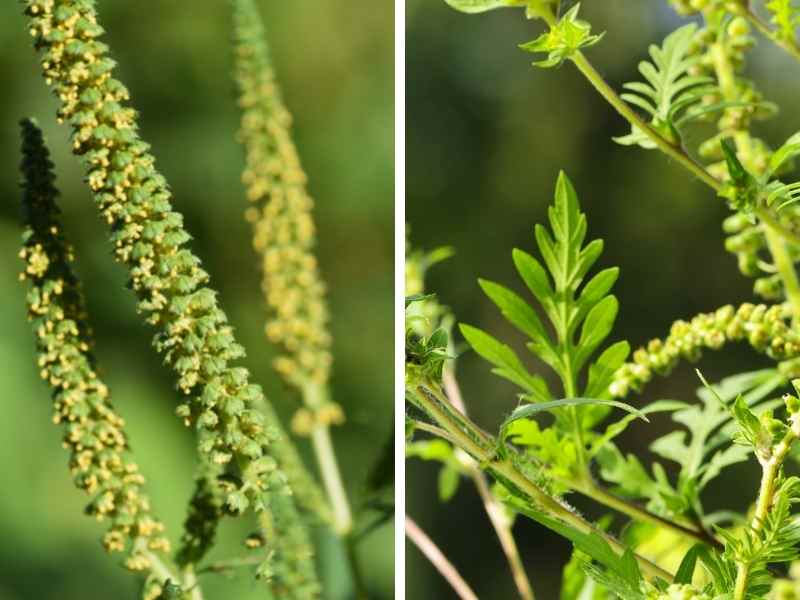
x=507, y=363
x=669, y=93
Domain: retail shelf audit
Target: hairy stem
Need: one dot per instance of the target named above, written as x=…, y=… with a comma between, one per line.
x=494, y=509
x=438, y=560
x=472, y=441
x=771, y=468
x=600, y=494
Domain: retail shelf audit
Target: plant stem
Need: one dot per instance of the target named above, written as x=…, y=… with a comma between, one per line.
x=673, y=151
x=597, y=492
x=494, y=509
x=502, y=528
x=790, y=46
x=314, y=396
x=785, y=266
x=438, y=560
x=332, y=479
x=775, y=242
x=766, y=494
x=433, y=401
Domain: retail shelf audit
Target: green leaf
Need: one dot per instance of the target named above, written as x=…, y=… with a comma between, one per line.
x=418, y=298
x=528, y=410
x=597, y=288
x=438, y=450
x=601, y=372
x=449, y=479
x=505, y=359
x=479, y=6
x=535, y=277
x=522, y=316
x=685, y=571
x=596, y=327
x=669, y=94
x=786, y=152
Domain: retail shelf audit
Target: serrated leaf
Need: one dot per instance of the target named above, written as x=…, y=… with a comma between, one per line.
x=601, y=371
x=535, y=277
x=522, y=316
x=669, y=92
x=595, y=329
x=597, y=288
x=505, y=359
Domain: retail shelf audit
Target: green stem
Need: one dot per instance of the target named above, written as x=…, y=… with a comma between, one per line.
x=502, y=527
x=315, y=396
x=790, y=46
x=786, y=269
x=771, y=468
x=600, y=494
x=673, y=151
x=494, y=509
x=432, y=401
x=775, y=242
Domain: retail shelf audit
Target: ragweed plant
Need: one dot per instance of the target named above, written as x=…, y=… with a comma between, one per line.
x=248, y=466
x=563, y=442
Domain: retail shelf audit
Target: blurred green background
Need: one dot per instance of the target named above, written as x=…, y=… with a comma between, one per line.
x=335, y=63
x=486, y=136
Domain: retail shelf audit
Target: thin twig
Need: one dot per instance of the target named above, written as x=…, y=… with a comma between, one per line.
x=438, y=560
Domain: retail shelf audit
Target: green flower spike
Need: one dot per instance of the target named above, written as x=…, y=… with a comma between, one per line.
x=280, y=213
x=764, y=327
x=94, y=434
x=149, y=238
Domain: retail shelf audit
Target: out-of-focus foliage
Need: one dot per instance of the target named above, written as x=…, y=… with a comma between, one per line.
x=487, y=136
x=335, y=65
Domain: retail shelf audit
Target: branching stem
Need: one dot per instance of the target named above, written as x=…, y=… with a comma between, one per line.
x=790, y=46
x=771, y=468
x=494, y=509
x=436, y=404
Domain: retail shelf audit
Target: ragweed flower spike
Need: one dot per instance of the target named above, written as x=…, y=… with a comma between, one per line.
x=149, y=238
x=280, y=213
x=764, y=327
x=284, y=238
x=93, y=431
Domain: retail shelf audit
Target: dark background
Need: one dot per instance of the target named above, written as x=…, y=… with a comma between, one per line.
x=486, y=136
x=335, y=63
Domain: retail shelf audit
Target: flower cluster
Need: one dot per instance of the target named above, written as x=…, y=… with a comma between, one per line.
x=149, y=238
x=93, y=431
x=763, y=327
x=284, y=233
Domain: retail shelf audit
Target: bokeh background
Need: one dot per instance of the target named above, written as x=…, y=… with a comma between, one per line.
x=486, y=136
x=335, y=63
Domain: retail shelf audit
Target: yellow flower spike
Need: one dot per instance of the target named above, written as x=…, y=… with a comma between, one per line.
x=100, y=467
